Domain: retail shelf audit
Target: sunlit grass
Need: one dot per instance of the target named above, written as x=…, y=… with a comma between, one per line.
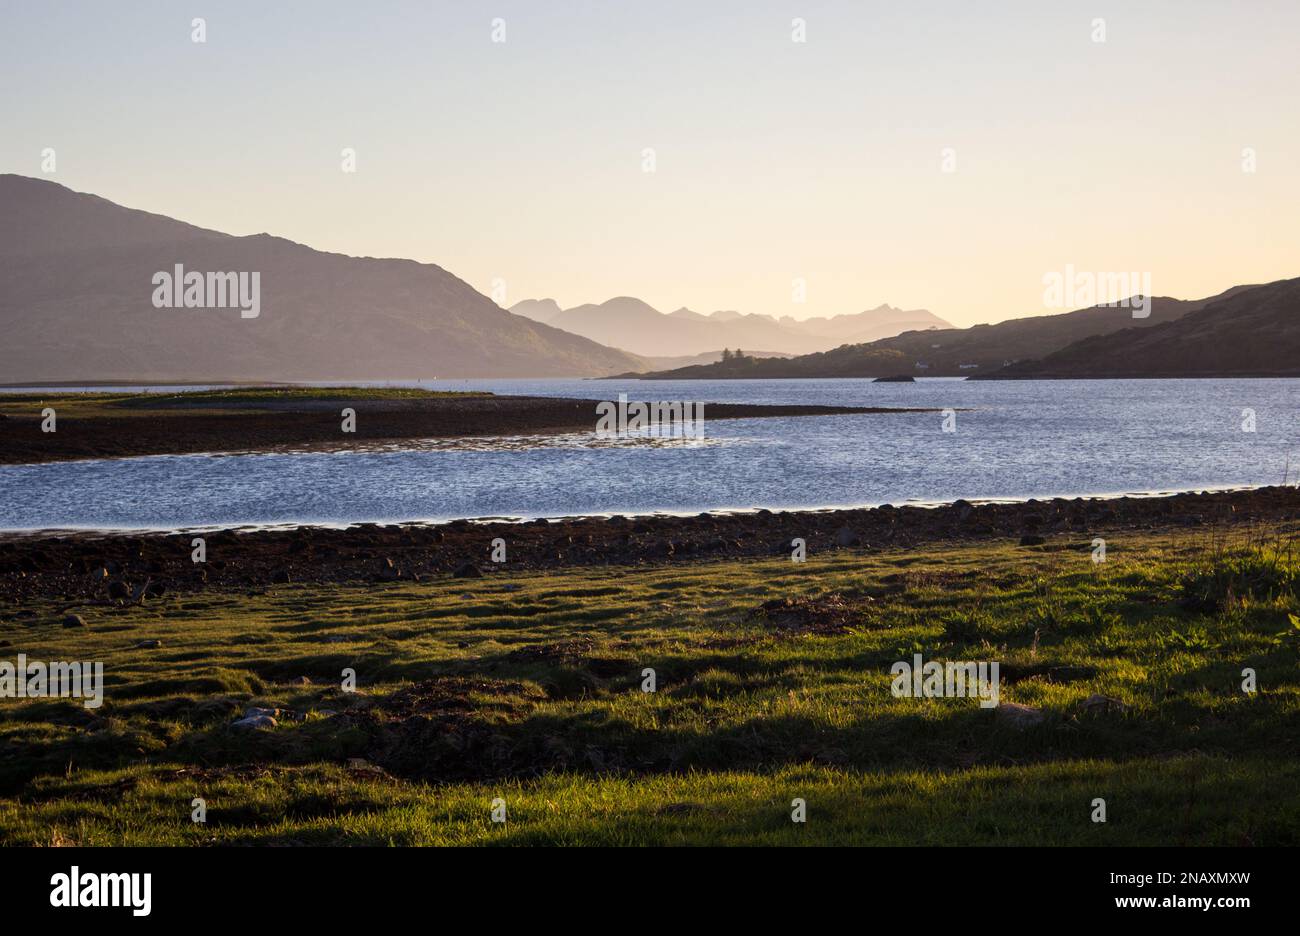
x=540, y=681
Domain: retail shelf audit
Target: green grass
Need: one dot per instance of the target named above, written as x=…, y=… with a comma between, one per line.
x=528, y=687
x=127, y=404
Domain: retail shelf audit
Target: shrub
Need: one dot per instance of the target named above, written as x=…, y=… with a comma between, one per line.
x=1230, y=578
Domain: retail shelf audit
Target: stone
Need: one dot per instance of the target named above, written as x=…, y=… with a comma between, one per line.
x=255, y=722
x=74, y=620
x=846, y=537
x=148, y=645
x=468, y=570
x=1032, y=539
x=1097, y=704
x=255, y=712
x=1017, y=716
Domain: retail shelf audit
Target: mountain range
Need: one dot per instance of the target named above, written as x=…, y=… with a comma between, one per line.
x=77, y=282
x=78, y=304
x=636, y=326
x=1074, y=343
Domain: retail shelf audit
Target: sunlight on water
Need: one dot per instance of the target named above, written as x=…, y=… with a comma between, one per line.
x=1014, y=439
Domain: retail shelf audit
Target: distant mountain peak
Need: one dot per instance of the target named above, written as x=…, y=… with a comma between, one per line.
x=539, y=310
x=634, y=325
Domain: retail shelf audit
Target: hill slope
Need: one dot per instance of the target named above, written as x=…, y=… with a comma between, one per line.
x=1253, y=332
x=953, y=351
x=76, y=288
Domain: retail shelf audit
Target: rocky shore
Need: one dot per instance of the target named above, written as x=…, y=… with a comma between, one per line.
x=86, y=568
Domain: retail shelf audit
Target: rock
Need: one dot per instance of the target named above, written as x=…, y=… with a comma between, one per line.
x=389, y=572
x=963, y=508
x=1032, y=539
x=255, y=712
x=1097, y=704
x=117, y=590
x=301, y=681
x=74, y=620
x=255, y=721
x=148, y=645
x=216, y=708
x=280, y=577
x=846, y=537
x=1017, y=716
x=468, y=570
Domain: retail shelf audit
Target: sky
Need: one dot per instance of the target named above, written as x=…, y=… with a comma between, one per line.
x=939, y=155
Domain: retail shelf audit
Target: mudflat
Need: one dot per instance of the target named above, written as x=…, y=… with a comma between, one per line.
x=109, y=425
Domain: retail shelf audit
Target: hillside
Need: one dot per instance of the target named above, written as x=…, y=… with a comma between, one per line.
x=953, y=351
x=76, y=291
x=1253, y=332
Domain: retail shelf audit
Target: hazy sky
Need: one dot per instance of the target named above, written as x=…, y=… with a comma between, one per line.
x=775, y=160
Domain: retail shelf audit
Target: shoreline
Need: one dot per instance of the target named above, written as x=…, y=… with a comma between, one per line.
x=117, y=568
x=97, y=426
x=13, y=533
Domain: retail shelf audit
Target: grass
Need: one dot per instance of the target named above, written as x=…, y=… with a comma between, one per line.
x=135, y=404
x=527, y=687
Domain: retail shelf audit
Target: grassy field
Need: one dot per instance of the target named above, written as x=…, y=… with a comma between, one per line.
x=528, y=688
x=135, y=404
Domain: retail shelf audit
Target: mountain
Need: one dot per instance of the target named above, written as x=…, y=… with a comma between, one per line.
x=539, y=310
x=884, y=321
x=1248, y=332
x=76, y=304
x=636, y=326
x=955, y=351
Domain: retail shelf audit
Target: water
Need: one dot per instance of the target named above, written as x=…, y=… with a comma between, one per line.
x=1014, y=439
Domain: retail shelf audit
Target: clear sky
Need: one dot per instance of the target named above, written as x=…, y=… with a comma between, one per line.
x=774, y=160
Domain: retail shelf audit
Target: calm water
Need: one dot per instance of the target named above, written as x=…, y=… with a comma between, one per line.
x=1016, y=439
